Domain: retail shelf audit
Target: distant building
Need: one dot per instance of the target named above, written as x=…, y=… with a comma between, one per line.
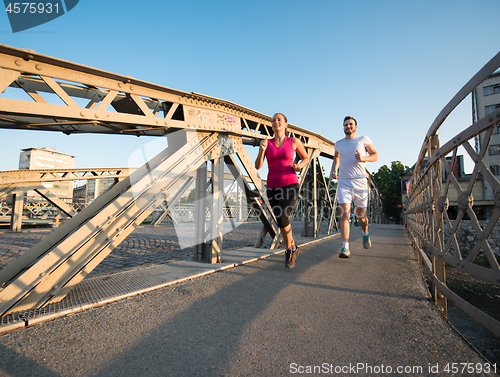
x=93, y=188
x=79, y=193
x=48, y=158
x=96, y=187
x=486, y=100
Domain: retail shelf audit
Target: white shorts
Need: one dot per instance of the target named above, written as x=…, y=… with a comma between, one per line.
x=356, y=190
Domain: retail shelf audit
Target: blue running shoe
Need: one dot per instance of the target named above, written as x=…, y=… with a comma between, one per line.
x=344, y=253
x=366, y=241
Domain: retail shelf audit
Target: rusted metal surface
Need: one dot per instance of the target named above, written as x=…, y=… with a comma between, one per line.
x=432, y=227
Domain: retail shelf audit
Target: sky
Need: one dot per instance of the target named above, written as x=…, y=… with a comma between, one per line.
x=391, y=64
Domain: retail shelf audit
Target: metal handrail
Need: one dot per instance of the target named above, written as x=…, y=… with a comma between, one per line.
x=431, y=226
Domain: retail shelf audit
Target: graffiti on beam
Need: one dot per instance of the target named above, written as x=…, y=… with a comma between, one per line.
x=213, y=117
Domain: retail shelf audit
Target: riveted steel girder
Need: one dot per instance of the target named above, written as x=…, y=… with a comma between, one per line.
x=66, y=97
x=50, y=175
x=96, y=101
x=51, y=268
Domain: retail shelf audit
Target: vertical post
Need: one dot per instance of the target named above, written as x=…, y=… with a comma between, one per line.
x=440, y=274
x=239, y=193
x=16, y=218
x=333, y=219
x=200, y=212
x=217, y=208
x=418, y=245
x=305, y=208
x=315, y=200
x=97, y=187
x=436, y=229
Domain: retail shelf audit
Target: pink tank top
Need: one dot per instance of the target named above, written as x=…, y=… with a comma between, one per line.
x=280, y=164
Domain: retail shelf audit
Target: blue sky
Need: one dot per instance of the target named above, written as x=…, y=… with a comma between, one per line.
x=392, y=64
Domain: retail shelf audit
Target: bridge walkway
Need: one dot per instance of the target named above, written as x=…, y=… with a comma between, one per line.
x=357, y=316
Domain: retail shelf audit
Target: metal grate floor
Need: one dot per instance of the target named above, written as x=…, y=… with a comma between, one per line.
x=99, y=290
x=103, y=289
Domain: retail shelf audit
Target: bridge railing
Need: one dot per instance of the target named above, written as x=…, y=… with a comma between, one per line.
x=442, y=212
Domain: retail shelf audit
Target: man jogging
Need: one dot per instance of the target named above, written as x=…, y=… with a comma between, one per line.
x=351, y=153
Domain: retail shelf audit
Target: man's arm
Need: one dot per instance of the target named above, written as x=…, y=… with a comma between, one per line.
x=335, y=165
x=372, y=154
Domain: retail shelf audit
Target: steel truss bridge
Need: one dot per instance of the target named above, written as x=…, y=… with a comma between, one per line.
x=433, y=228
x=17, y=182
x=19, y=210
x=204, y=135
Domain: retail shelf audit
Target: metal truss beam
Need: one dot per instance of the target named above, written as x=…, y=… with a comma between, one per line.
x=71, y=98
x=96, y=101
x=38, y=176
x=50, y=269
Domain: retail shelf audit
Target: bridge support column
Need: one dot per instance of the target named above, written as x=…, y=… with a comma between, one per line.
x=200, y=213
x=310, y=196
x=217, y=211
x=315, y=199
x=333, y=221
x=17, y=211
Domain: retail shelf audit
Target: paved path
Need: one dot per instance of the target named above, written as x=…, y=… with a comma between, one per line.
x=367, y=315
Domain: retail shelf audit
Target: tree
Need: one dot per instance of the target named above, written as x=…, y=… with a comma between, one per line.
x=388, y=181
x=189, y=198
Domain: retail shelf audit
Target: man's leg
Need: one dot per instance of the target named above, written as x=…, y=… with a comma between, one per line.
x=363, y=220
x=345, y=214
x=361, y=201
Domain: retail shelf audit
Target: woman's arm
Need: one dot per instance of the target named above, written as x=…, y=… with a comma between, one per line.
x=301, y=152
x=259, y=161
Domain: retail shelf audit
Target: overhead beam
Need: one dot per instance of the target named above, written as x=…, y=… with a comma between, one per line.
x=38, y=74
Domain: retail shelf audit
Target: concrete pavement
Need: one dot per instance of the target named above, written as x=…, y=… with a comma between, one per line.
x=367, y=315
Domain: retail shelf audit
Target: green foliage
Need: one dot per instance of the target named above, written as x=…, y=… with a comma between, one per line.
x=189, y=198
x=388, y=181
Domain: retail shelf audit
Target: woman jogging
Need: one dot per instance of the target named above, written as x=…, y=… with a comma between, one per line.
x=282, y=182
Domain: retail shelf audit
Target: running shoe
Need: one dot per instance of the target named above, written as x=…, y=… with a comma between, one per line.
x=344, y=253
x=293, y=257
x=366, y=241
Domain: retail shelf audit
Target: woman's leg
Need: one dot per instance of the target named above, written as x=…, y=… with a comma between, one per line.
x=286, y=233
x=282, y=201
x=287, y=204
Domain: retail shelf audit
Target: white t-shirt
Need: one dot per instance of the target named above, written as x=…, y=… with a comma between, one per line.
x=349, y=167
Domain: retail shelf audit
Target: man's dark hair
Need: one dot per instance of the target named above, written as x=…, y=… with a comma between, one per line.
x=350, y=117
